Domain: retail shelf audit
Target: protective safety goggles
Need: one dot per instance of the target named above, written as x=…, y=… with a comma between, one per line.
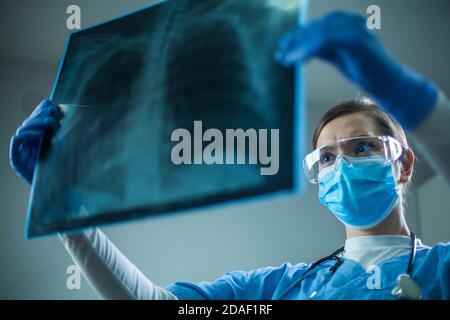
x=384, y=147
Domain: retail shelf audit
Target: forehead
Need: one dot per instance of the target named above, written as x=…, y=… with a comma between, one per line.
x=347, y=126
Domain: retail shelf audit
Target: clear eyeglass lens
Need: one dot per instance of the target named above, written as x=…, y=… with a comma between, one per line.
x=359, y=147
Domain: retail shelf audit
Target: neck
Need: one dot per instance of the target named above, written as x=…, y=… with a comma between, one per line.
x=394, y=224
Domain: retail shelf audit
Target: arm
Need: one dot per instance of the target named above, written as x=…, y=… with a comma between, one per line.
x=111, y=274
x=343, y=40
x=108, y=271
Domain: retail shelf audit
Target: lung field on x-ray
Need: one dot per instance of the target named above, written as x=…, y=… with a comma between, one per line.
x=136, y=79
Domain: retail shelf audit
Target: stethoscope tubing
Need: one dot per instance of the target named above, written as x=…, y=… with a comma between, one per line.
x=339, y=261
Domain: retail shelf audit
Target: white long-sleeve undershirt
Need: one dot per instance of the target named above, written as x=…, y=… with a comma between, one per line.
x=108, y=271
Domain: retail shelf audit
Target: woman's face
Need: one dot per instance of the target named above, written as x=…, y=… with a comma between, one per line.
x=358, y=124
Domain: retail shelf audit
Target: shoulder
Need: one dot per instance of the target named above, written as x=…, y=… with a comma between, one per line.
x=439, y=252
x=433, y=270
x=439, y=248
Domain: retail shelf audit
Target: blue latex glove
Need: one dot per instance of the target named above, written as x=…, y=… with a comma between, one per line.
x=344, y=40
x=26, y=144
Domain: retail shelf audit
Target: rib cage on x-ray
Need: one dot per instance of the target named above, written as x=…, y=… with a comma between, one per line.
x=136, y=79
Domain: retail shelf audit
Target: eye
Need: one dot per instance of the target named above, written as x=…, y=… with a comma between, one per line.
x=364, y=148
x=326, y=158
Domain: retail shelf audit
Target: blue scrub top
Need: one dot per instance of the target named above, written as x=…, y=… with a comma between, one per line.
x=431, y=272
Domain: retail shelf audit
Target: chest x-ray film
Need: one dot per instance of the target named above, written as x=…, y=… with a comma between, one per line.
x=153, y=102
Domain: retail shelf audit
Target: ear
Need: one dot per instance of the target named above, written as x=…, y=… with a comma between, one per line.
x=407, y=164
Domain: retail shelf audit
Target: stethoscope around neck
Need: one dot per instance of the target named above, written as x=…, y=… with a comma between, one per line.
x=406, y=287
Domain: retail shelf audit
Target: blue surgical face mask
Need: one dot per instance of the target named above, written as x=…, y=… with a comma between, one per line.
x=360, y=192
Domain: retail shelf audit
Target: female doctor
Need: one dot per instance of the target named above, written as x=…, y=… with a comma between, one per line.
x=361, y=163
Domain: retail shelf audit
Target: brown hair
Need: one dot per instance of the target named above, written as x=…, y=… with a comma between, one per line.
x=384, y=123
